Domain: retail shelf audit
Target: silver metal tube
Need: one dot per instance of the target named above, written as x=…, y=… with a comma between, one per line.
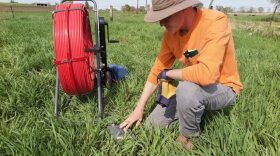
x=98, y=63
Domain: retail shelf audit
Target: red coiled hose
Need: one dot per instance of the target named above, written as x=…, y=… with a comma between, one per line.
x=74, y=65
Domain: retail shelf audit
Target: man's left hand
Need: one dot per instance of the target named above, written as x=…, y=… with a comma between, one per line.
x=163, y=75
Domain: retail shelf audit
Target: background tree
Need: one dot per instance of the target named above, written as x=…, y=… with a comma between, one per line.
x=200, y=5
x=142, y=9
x=126, y=7
x=268, y=10
x=277, y=4
x=252, y=10
x=219, y=8
x=224, y=9
x=260, y=9
x=242, y=9
x=228, y=10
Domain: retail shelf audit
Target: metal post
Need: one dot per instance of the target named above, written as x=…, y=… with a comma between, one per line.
x=12, y=11
x=137, y=6
x=147, y=6
x=211, y=4
x=272, y=18
x=56, y=95
x=111, y=12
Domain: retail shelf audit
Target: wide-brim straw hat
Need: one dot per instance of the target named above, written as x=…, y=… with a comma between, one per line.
x=164, y=8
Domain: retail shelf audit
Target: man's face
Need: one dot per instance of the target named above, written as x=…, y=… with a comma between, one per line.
x=173, y=23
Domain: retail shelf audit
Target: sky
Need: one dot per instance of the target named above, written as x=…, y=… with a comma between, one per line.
x=118, y=3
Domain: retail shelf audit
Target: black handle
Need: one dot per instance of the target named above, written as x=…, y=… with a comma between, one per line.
x=108, y=38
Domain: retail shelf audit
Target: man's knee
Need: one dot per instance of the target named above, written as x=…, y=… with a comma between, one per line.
x=156, y=121
x=188, y=95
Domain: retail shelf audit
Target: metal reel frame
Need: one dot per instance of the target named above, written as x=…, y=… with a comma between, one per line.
x=100, y=63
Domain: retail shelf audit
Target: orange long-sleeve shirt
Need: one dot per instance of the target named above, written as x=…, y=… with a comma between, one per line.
x=215, y=61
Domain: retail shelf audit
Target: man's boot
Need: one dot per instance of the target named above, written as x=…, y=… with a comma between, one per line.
x=185, y=142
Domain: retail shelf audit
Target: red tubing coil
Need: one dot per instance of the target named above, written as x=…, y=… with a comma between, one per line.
x=74, y=65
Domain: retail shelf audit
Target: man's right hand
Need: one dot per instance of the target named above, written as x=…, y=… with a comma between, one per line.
x=135, y=116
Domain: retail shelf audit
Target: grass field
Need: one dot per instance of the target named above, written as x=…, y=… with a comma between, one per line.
x=27, y=83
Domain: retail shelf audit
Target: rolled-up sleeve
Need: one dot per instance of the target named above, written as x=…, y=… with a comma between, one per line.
x=164, y=60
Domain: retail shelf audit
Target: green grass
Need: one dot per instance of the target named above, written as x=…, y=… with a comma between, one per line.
x=27, y=84
x=263, y=18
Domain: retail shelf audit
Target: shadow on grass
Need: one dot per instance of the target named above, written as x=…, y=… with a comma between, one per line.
x=109, y=92
x=209, y=116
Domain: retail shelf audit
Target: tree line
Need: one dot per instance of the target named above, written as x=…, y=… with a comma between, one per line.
x=242, y=9
x=225, y=9
x=127, y=7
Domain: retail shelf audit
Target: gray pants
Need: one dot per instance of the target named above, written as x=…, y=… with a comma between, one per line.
x=191, y=101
